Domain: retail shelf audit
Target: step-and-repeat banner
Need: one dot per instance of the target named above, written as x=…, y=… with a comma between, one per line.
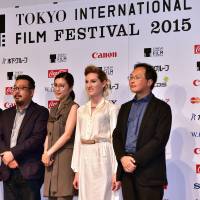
x=44, y=40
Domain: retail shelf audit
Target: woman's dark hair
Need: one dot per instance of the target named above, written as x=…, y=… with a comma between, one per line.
x=150, y=72
x=69, y=79
x=31, y=82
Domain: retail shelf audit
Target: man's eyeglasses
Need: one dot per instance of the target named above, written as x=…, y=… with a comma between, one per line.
x=14, y=89
x=130, y=78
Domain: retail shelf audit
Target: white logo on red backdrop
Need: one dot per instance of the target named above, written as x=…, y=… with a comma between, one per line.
x=8, y=91
x=197, y=49
x=52, y=103
x=54, y=72
x=9, y=104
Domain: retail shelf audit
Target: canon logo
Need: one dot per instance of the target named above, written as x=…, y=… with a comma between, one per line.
x=52, y=103
x=54, y=72
x=195, y=100
x=196, y=82
x=197, y=150
x=197, y=49
x=8, y=91
x=8, y=105
x=96, y=55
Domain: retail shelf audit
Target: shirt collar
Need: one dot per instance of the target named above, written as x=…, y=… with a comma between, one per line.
x=144, y=99
x=22, y=111
x=100, y=104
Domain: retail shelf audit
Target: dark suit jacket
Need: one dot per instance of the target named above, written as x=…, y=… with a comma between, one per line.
x=152, y=139
x=29, y=147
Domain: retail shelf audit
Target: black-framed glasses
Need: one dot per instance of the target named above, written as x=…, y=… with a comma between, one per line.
x=14, y=89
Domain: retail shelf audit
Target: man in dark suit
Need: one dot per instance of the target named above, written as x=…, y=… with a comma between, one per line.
x=22, y=134
x=140, y=137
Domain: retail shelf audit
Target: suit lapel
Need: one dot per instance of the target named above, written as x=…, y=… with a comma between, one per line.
x=27, y=116
x=146, y=118
x=11, y=121
x=125, y=116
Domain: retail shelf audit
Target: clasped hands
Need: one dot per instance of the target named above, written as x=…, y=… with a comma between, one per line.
x=46, y=159
x=8, y=159
x=128, y=163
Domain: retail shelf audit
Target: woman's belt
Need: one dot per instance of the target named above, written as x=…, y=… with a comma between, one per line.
x=94, y=141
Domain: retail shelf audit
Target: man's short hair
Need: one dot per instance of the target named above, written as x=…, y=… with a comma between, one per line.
x=150, y=72
x=31, y=82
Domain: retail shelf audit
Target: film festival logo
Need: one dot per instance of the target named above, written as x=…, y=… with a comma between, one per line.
x=109, y=70
x=153, y=52
x=13, y=75
x=2, y=31
x=198, y=65
x=58, y=58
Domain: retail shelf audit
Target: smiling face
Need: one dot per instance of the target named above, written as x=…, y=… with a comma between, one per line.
x=138, y=82
x=61, y=88
x=94, y=86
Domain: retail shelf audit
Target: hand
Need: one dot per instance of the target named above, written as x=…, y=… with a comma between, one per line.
x=13, y=164
x=76, y=181
x=46, y=159
x=128, y=163
x=115, y=184
x=7, y=157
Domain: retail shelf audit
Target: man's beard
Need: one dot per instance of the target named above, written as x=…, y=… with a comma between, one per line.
x=19, y=102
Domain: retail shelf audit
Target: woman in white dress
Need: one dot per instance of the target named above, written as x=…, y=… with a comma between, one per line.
x=93, y=158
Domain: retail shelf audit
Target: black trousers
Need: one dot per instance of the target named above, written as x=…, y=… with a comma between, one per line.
x=134, y=191
x=17, y=188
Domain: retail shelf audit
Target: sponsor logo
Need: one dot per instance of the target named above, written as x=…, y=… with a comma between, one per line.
x=196, y=186
x=58, y=58
x=22, y=60
x=9, y=104
x=197, y=168
x=161, y=68
x=195, y=117
x=196, y=82
x=153, y=52
x=13, y=75
x=164, y=83
x=54, y=72
x=198, y=65
x=108, y=70
x=194, y=100
x=197, y=49
x=96, y=55
x=2, y=31
x=8, y=91
x=52, y=103
x=195, y=133
x=114, y=86
x=197, y=150
x=49, y=89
